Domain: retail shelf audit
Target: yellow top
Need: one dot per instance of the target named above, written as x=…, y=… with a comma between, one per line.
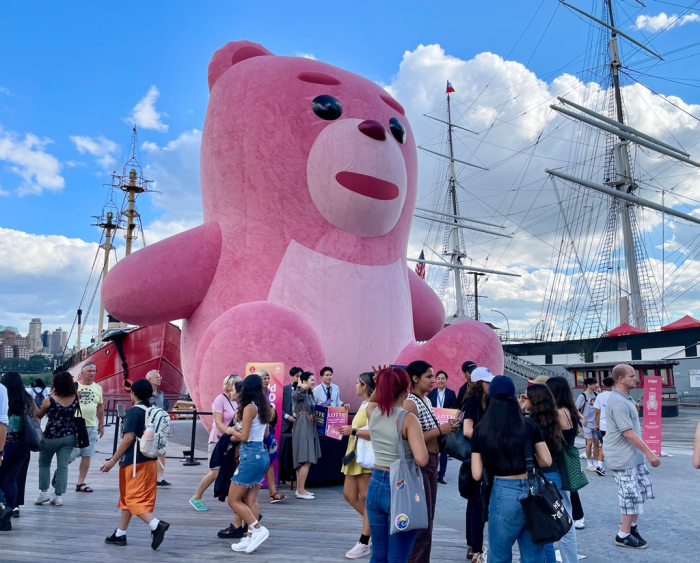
x=360, y=421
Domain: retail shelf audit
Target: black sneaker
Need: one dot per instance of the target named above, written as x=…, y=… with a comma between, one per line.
x=634, y=532
x=5, y=514
x=114, y=540
x=15, y=513
x=232, y=533
x=163, y=483
x=600, y=471
x=442, y=481
x=631, y=541
x=6, y=526
x=159, y=534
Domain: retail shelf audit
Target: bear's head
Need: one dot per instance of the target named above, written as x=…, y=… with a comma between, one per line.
x=294, y=148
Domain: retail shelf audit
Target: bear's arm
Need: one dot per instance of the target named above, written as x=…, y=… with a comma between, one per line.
x=428, y=312
x=165, y=281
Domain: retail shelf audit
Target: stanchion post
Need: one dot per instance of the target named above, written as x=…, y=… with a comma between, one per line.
x=107, y=423
x=116, y=438
x=192, y=461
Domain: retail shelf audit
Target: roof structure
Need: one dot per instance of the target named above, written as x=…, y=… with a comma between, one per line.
x=683, y=322
x=624, y=329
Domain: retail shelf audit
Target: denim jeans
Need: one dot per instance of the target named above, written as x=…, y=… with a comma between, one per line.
x=16, y=454
x=507, y=523
x=567, y=544
x=386, y=547
x=62, y=447
x=443, y=464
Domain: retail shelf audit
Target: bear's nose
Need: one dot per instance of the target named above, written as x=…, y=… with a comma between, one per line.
x=373, y=129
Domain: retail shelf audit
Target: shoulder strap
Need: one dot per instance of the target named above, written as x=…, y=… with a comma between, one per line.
x=229, y=401
x=430, y=410
x=399, y=426
x=529, y=461
x=566, y=414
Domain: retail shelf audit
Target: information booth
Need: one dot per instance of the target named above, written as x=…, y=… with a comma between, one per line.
x=643, y=368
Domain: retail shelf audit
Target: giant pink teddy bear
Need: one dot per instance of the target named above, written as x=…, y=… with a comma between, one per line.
x=309, y=180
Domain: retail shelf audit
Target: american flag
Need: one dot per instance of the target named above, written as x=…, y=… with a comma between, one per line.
x=449, y=87
x=420, y=267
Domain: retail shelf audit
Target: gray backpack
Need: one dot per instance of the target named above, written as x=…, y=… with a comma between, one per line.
x=409, y=509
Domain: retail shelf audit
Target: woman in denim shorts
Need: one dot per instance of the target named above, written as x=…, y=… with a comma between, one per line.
x=253, y=415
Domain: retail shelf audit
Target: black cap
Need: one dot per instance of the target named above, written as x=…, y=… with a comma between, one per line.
x=502, y=388
x=469, y=366
x=253, y=381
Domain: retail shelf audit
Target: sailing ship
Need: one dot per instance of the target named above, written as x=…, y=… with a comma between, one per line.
x=120, y=353
x=604, y=292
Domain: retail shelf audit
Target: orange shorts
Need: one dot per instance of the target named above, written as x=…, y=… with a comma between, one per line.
x=138, y=494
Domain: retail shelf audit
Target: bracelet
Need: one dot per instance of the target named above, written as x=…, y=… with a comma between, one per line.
x=354, y=431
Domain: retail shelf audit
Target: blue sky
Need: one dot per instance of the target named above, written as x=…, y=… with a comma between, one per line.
x=78, y=69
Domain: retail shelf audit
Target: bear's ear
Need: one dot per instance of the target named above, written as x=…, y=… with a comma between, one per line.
x=230, y=54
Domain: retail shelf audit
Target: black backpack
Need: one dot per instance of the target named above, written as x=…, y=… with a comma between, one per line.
x=39, y=397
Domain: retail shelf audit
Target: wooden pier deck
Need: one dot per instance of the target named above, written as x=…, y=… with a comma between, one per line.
x=321, y=530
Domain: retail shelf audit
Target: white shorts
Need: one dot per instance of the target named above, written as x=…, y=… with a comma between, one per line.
x=589, y=432
x=90, y=450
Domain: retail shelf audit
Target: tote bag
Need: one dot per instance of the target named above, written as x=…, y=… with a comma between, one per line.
x=547, y=519
x=409, y=509
x=569, y=466
x=33, y=435
x=82, y=439
x=365, y=453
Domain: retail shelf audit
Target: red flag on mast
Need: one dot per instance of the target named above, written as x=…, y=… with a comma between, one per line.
x=449, y=87
x=420, y=267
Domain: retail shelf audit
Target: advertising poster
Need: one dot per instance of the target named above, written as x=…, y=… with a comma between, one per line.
x=276, y=370
x=329, y=419
x=652, y=413
x=445, y=415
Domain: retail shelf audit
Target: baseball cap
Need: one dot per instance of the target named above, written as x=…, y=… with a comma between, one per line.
x=482, y=374
x=502, y=388
x=541, y=379
x=468, y=366
x=253, y=381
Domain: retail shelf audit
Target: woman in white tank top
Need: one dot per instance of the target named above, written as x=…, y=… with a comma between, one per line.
x=254, y=415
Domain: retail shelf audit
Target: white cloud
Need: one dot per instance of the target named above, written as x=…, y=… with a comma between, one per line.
x=662, y=21
x=305, y=55
x=145, y=115
x=4, y=90
x=28, y=159
x=102, y=148
x=509, y=106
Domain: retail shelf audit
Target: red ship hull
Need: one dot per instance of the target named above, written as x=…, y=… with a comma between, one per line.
x=146, y=348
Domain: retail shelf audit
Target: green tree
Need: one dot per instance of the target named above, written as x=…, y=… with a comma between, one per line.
x=15, y=364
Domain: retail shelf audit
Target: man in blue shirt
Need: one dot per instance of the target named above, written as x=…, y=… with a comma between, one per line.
x=328, y=394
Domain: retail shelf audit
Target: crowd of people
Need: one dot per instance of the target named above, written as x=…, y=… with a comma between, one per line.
x=395, y=420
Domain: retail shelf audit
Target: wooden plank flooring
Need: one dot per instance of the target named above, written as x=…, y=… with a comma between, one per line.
x=321, y=530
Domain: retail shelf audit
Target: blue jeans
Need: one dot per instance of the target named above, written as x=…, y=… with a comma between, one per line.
x=16, y=453
x=386, y=547
x=507, y=523
x=443, y=464
x=567, y=544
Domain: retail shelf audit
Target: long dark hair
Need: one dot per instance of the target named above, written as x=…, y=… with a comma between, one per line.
x=476, y=389
x=254, y=396
x=563, y=397
x=544, y=413
x=19, y=402
x=502, y=430
x=63, y=384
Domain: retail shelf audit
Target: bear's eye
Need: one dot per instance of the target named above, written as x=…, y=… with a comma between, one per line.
x=327, y=107
x=397, y=130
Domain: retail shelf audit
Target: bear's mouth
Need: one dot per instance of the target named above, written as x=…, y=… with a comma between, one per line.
x=368, y=186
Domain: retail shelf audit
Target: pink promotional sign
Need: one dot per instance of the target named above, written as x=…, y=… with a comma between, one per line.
x=652, y=413
x=274, y=391
x=445, y=415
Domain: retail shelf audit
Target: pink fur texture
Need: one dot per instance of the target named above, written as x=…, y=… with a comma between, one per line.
x=302, y=255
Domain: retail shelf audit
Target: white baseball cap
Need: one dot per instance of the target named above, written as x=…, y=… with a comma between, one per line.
x=482, y=374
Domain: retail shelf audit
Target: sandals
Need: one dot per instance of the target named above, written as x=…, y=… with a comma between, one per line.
x=82, y=488
x=278, y=498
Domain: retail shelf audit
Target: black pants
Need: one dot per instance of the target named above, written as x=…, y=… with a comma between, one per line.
x=475, y=523
x=576, y=508
x=424, y=538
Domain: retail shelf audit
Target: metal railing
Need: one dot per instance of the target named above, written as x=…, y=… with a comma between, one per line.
x=689, y=399
x=524, y=368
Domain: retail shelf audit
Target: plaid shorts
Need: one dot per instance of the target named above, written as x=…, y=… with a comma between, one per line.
x=633, y=488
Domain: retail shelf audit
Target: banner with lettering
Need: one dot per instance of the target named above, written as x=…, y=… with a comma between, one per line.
x=652, y=413
x=329, y=419
x=274, y=396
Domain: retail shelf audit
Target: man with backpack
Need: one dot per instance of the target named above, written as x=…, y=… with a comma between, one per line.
x=38, y=391
x=158, y=400
x=144, y=433
x=585, y=403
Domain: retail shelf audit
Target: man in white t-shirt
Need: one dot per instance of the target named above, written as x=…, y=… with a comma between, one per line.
x=600, y=420
x=584, y=404
x=92, y=408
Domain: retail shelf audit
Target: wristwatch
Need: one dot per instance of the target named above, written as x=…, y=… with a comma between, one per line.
x=354, y=431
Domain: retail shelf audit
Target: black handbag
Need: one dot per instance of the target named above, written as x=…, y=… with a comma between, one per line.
x=82, y=439
x=459, y=447
x=33, y=435
x=543, y=508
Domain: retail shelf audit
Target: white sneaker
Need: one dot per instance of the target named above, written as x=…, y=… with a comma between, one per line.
x=259, y=536
x=590, y=467
x=360, y=550
x=242, y=545
x=579, y=524
x=306, y=497
x=56, y=501
x=42, y=499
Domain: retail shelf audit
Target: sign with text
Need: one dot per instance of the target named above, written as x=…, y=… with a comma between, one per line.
x=694, y=375
x=274, y=395
x=329, y=419
x=652, y=413
x=445, y=415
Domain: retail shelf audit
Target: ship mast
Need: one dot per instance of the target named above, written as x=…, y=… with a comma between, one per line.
x=132, y=184
x=109, y=226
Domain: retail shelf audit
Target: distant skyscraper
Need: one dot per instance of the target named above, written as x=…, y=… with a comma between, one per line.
x=58, y=341
x=46, y=340
x=34, y=335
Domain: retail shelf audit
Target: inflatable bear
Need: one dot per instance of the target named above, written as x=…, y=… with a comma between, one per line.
x=309, y=180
